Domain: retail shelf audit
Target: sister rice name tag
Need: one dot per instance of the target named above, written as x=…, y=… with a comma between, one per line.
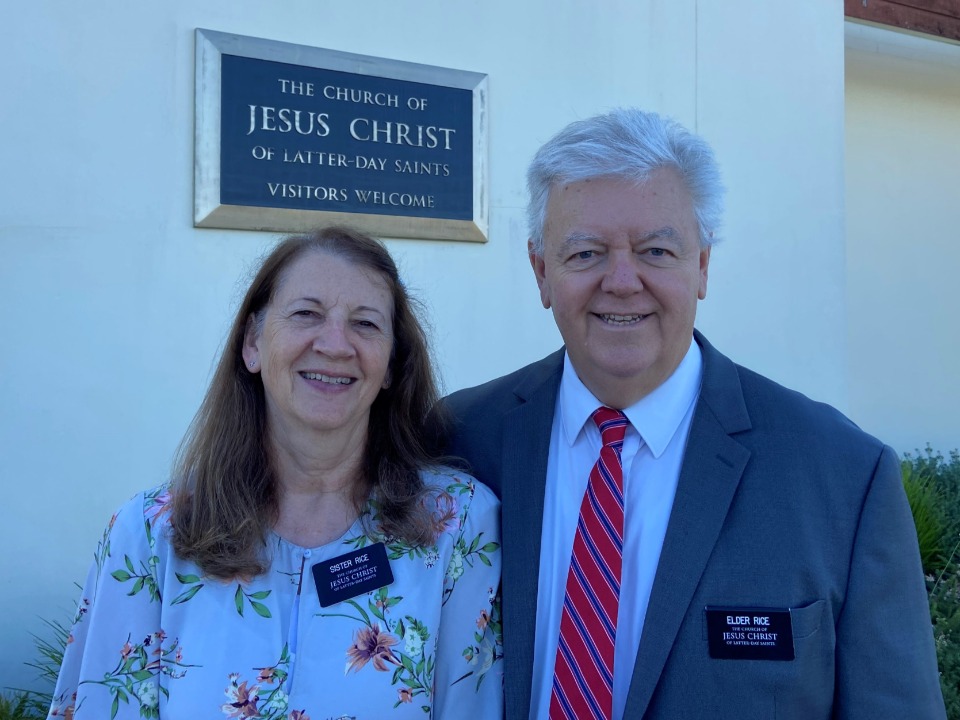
x=351, y=574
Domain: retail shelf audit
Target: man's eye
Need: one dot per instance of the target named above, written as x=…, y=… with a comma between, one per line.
x=657, y=252
x=584, y=255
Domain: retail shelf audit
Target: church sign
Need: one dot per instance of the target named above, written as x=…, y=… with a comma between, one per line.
x=290, y=137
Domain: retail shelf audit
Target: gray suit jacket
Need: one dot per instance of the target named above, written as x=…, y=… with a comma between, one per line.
x=782, y=503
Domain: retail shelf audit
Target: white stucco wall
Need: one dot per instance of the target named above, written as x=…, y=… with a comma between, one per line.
x=903, y=240
x=116, y=306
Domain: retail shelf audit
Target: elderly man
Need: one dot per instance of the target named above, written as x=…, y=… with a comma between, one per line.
x=682, y=537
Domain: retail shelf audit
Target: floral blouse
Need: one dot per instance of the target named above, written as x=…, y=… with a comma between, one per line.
x=154, y=638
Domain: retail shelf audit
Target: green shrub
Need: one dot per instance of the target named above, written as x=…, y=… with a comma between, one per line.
x=932, y=484
x=34, y=704
x=22, y=705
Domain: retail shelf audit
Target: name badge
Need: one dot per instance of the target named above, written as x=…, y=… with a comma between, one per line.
x=354, y=573
x=736, y=633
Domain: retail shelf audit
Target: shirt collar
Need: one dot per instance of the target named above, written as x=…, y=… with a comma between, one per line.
x=656, y=416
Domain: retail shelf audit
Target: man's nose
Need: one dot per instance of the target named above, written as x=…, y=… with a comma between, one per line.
x=622, y=274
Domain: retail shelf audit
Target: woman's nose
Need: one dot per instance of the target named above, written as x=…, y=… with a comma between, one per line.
x=331, y=339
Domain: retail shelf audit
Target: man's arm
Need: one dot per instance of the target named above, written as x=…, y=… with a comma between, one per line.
x=886, y=662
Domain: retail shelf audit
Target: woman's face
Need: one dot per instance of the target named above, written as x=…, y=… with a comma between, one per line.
x=323, y=346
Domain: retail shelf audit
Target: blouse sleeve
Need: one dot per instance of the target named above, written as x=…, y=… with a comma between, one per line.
x=469, y=672
x=116, y=650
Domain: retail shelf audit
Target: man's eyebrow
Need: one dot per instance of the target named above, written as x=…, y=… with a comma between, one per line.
x=664, y=233
x=576, y=238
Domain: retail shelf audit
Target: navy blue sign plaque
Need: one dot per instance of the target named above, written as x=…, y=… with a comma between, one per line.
x=291, y=137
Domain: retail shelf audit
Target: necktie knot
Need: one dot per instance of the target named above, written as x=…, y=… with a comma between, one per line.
x=612, y=424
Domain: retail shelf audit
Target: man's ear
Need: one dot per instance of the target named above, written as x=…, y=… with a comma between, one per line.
x=539, y=270
x=704, y=265
x=250, y=352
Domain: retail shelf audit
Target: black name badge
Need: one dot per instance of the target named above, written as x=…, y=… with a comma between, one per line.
x=736, y=633
x=352, y=574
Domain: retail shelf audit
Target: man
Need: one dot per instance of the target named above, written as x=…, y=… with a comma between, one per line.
x=725, y=547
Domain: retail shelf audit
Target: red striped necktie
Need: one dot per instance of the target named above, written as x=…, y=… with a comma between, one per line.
x=583, y=674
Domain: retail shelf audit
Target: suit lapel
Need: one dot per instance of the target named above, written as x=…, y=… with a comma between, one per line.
x=526, y=433
x=711, y=471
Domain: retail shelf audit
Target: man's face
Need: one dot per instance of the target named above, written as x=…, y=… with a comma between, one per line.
x=622, y=270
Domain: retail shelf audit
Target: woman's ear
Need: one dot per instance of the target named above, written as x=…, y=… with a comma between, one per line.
x=250, y=352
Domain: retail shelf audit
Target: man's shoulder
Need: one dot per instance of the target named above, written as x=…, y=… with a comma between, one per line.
x=506, y=391
x=745, y=400
x=781, y=414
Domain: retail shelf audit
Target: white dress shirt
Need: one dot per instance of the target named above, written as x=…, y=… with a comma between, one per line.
x=652, y=454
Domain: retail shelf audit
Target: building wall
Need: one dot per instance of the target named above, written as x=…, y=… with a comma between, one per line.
x=115, y=306
x=903, y=241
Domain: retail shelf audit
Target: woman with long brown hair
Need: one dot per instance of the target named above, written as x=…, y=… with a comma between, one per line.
x=310, y=558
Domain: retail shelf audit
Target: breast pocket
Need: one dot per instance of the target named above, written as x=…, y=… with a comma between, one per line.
x=780, y=689
x=805, y=689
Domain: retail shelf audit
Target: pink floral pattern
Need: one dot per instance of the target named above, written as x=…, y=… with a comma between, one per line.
x=154, y=638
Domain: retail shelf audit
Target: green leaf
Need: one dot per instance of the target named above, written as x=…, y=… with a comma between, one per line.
x=473, y=545
x=261, y=609
x=484, y=559
x=114, y=707
x=490, y=547
x=120, y=575
x=261, y=595
x=129, y=563
x=238, y=600
x=407, y=663
x=396, y=675
x=188, y=579
x=363, y=613
x=394, y=600
x=184, y=596
x=142, y=675
x=137, y=587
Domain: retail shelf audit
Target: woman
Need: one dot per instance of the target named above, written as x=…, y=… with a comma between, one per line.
x=308, y=561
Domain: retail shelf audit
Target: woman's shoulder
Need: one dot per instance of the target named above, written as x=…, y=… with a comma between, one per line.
x=147, y=512
x=444, y=479
x=456, y=499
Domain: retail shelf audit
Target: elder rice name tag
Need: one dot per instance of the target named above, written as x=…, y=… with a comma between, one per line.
x=351, y=574
x=749, y=633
